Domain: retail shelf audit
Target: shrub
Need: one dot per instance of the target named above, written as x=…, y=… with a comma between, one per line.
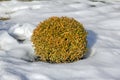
x=59, y=40
x=4, y=18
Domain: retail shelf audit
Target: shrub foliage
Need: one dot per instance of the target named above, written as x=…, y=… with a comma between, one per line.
x=59, y=40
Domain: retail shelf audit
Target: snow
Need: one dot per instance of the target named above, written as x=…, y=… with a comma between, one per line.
x=21, y=32
x=101, y=18
x=7, y=42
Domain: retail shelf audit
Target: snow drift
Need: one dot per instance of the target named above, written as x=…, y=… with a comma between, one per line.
x=101, y=20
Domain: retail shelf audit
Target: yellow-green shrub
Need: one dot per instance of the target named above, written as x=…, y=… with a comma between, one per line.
x=59, y=40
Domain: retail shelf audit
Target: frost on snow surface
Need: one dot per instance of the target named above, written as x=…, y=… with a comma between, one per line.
x=101, y=18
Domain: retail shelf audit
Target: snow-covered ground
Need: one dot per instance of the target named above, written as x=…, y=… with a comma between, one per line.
x=101, y=18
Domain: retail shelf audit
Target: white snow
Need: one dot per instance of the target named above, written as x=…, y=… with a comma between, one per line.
x=7, y=42
x=101, y=18
x=21, y=32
